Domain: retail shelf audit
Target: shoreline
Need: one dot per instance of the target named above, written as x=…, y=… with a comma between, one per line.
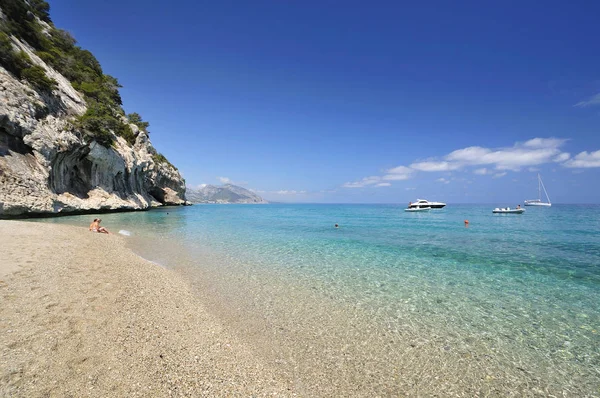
x=83, y=212
x=81, y=314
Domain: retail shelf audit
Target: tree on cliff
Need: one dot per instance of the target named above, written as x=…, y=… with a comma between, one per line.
x=136, y=119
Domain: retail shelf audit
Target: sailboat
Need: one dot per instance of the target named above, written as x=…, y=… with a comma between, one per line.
x=538, y=201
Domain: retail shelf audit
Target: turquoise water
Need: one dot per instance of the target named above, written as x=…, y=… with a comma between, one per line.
x=521, y=292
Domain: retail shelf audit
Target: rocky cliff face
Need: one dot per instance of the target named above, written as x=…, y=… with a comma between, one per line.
x=47, y=166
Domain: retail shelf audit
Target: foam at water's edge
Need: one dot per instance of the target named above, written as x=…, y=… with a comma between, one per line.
x=125, y=232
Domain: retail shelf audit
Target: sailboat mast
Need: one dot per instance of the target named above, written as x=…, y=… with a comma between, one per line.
x=539, y=187
x=542, y=184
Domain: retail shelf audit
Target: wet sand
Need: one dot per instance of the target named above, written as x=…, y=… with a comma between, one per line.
x=81, y=315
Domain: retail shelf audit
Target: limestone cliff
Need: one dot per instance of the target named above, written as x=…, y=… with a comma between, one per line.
x=49, y=166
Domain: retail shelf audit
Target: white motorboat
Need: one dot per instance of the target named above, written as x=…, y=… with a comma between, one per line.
x=416, y=209
x=538, y=201
x=425, y=203
x=508, y=210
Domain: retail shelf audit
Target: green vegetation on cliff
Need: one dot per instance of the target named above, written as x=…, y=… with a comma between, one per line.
x=30, y=22
x=21, y=65
x=136, y=119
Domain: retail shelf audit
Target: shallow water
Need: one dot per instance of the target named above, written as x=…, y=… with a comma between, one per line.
x=394, y=302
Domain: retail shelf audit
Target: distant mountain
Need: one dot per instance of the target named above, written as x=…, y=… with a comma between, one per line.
x=227, y=193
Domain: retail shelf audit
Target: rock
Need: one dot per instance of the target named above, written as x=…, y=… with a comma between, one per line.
x=46, y=167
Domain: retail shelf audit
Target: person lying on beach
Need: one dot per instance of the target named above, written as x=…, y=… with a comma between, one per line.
x=95, y=226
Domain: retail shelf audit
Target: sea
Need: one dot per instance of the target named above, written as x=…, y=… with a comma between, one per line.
x=393, y=303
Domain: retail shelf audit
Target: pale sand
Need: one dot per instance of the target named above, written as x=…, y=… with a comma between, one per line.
x=84, y=316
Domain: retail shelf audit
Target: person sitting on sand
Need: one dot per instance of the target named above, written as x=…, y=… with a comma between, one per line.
x=95, y=227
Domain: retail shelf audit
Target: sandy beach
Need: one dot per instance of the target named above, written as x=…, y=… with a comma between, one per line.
x=81, y=315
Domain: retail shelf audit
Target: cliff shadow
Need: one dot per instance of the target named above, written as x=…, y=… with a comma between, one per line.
x=9, y=142
x=71, y=172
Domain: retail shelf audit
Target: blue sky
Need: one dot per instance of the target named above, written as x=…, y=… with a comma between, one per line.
x=361, y=102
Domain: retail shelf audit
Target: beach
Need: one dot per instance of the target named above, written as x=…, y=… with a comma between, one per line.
x=81, y=315
x=236, y=303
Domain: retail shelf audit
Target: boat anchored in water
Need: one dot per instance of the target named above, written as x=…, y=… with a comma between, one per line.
x=420, y=203
x=538, y=201
x=508, y=210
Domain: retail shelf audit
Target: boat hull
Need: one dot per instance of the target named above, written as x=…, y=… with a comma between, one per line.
x=542, y=204
x=437, y=206
x=414, y=209
x=511, y=211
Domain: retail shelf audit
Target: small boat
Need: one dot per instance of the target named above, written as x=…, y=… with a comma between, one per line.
x=508, y=210
x=538, y=201
x=426, y=203
x=416, y=209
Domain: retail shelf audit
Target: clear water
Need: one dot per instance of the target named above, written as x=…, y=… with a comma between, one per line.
x=508, y=305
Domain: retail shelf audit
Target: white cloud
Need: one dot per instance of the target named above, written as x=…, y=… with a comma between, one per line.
x=410, y=189
x=592, y=101
x=562, y=157
x=443, y=180
x=487, y=161
x=363, y=183
x=226, y=180
x=280, y=192
x=400, y=170
x=584, y=160
x=470, y=155
x=435, y=166
x=515, y=158
x=398, y=173
x=396, y=177
x=289, y=192
x=533, y=152
x=544, y=142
